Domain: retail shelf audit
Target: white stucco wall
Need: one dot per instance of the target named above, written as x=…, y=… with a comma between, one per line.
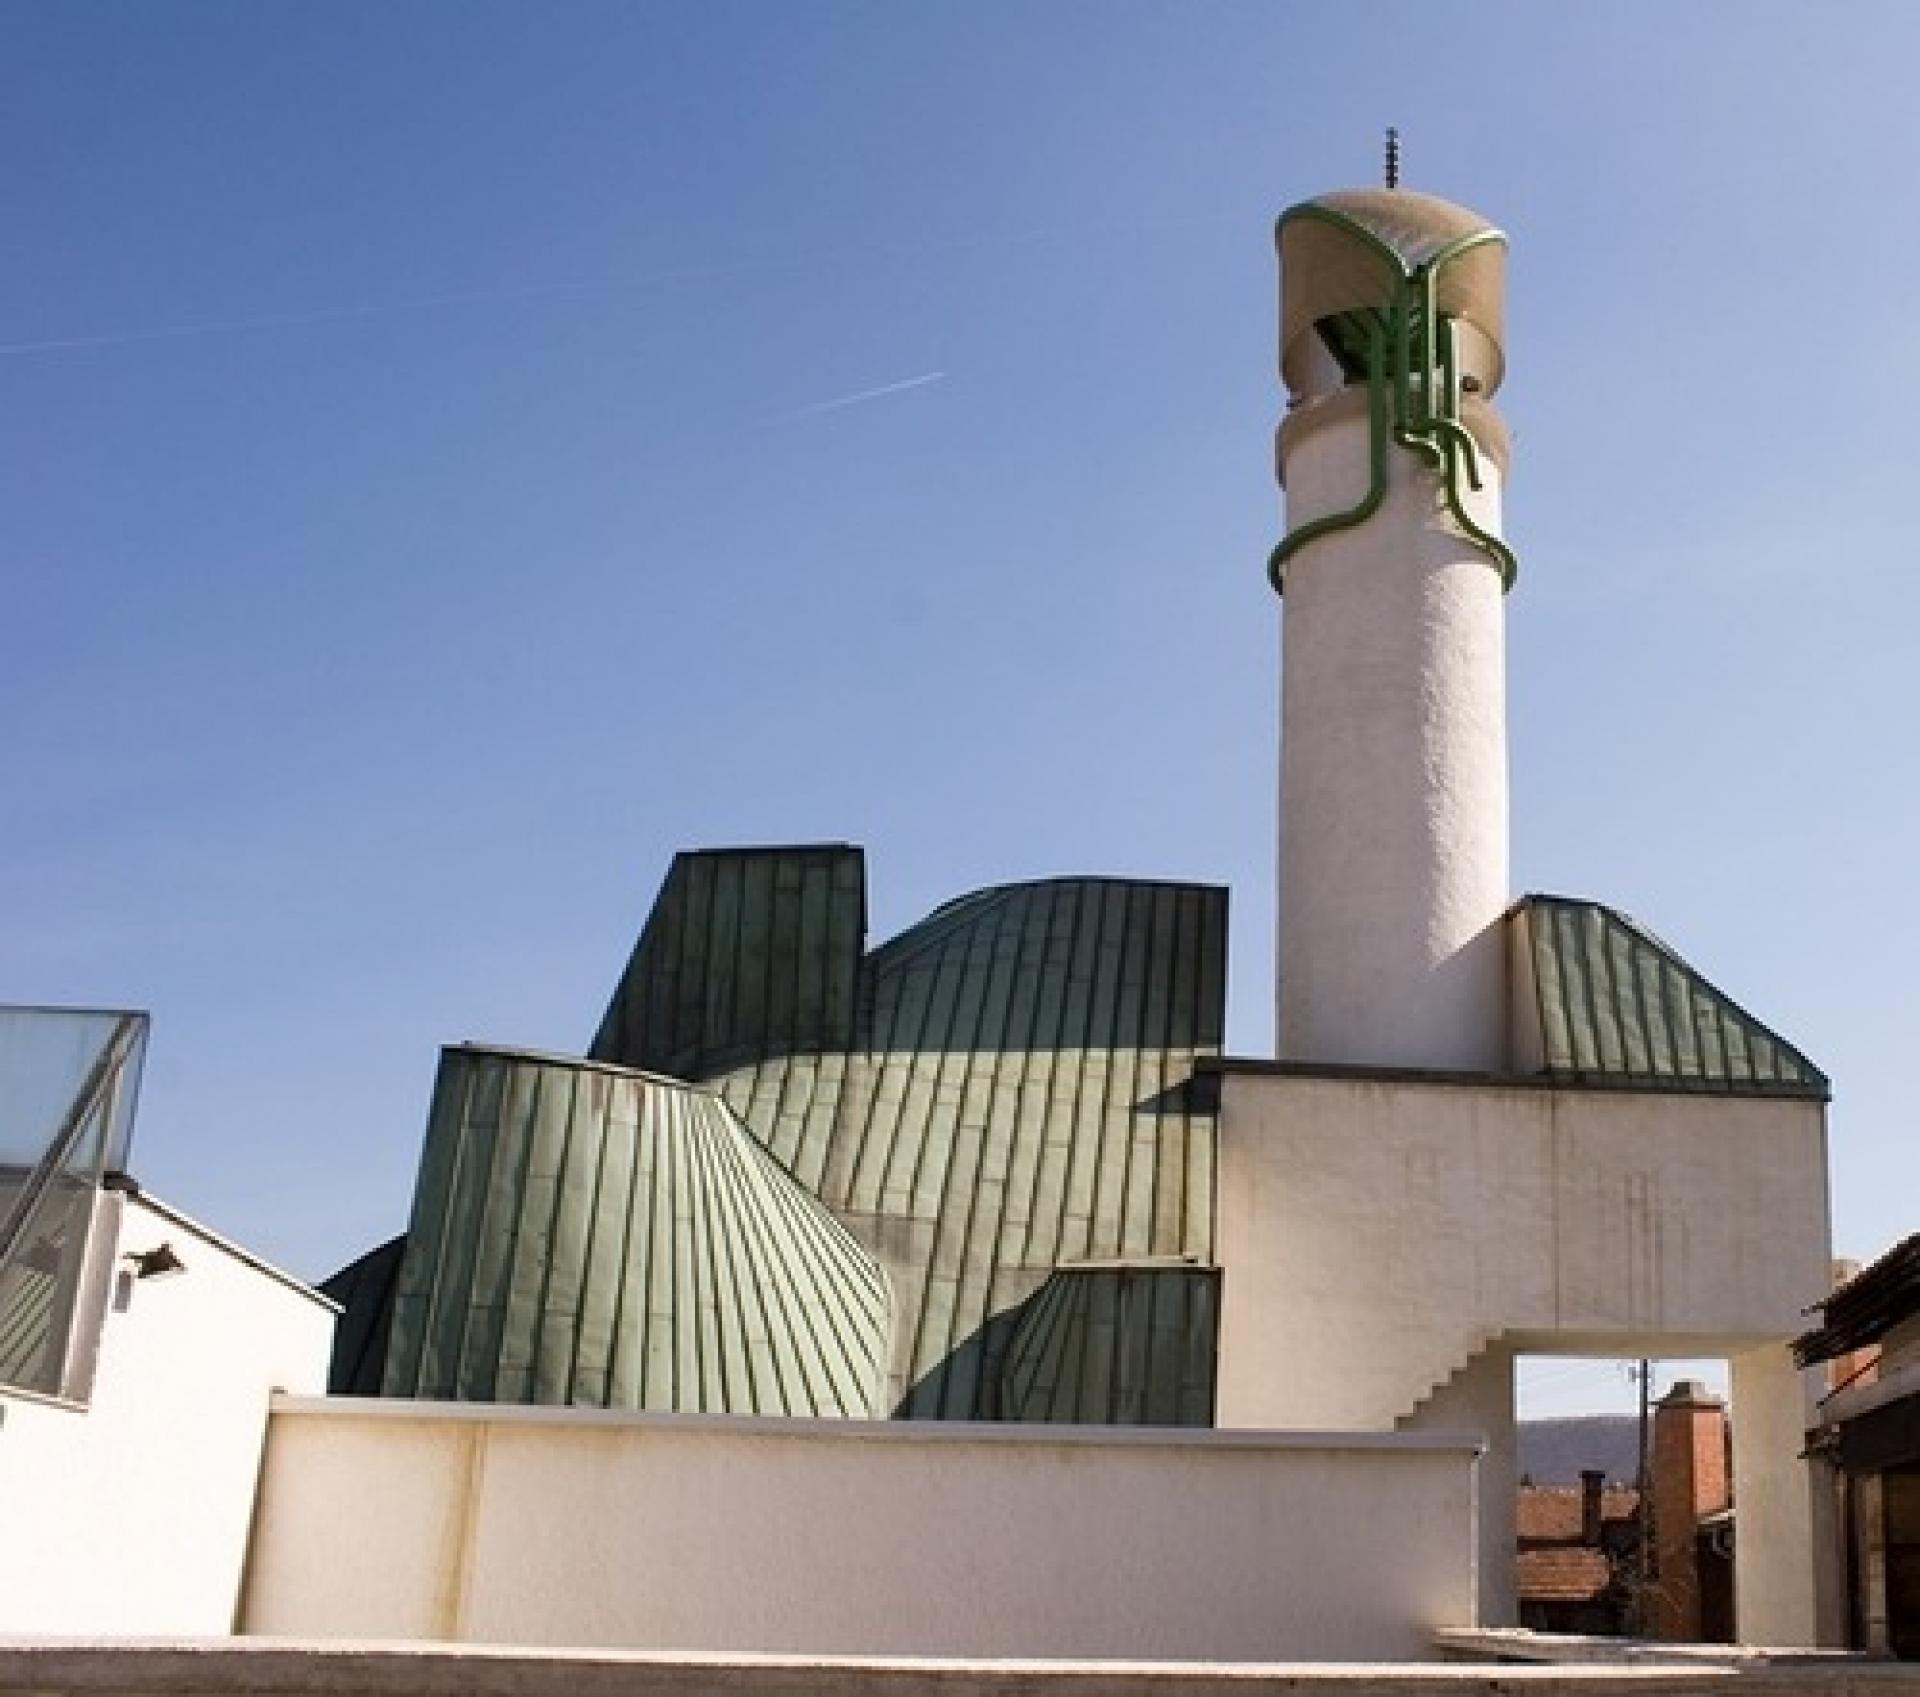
x=563, y=1526
x=1782, y=1507
x=1393, y=764
x=1377, y=1231
x=1480, y=1399
x=130, y=1514
x=1377, y=1234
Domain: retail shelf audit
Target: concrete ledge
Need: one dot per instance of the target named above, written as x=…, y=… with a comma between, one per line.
x=1568, y=1649
x=285, y=1668
x=1039, y=1435
x=1221, y=1066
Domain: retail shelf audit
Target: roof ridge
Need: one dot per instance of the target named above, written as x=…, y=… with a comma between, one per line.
x=989, y=892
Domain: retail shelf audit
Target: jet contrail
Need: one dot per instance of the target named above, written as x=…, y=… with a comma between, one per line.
x=859, y=397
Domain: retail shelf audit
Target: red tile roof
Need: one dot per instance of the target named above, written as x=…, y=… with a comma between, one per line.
x=1551, y=1513
x=1577, y=1575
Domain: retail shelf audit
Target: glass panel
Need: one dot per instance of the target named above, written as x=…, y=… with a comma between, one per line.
x=67, y=1085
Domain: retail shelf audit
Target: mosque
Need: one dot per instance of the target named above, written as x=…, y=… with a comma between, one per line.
x=997, y=1168
x=973, y=1238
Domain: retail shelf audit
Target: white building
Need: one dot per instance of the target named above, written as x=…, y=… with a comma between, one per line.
x=996, y=1170
x=1495, y=1127
x=139, y=1355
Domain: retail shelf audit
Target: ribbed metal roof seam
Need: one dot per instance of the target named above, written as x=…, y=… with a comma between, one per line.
x=638, y=1207
x=1615, y=1003
x=1005, y=1087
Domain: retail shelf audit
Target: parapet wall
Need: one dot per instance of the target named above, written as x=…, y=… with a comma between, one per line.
x=483, y=1524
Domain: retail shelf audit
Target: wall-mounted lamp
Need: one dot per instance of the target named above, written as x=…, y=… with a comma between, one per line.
x=155, y=1263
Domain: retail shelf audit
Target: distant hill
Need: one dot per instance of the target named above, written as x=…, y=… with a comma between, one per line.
x=1555, y=1452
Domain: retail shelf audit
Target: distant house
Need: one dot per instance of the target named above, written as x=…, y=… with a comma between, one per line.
x=1579, y=1566
x=1870, y=1436
x=1575, y=1545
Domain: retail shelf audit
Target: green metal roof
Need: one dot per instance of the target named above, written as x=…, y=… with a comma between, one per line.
x=587, y=1234
x=1116, y=1344
x=747, y=953
x=364, y=1290
x=1011, y=1095
x=1619, y=1007
x=999, y=1089
x=885, y=1175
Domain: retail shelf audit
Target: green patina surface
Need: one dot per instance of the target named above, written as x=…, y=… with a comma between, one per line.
x=963, y=1175
x=1131, y=1343
x=1618, y=1006
x=1406, y=350
x=364, y=1290
x=591, y=1235
x=997, y=1090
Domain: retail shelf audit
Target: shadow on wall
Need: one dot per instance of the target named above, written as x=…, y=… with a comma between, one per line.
x=1110, y=1344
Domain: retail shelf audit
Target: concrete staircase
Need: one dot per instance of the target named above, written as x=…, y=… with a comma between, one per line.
x=1451, y=1365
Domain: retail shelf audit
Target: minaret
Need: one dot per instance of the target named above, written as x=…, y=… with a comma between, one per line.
x=1393, y=764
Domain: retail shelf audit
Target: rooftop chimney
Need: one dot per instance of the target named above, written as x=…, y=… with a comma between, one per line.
x=1689, y=1483
x=1592, y=1484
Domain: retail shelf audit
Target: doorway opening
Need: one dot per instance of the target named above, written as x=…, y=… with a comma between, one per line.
x=1624, y=1512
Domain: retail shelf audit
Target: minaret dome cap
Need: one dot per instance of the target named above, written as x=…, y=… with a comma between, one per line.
x=1355, y=249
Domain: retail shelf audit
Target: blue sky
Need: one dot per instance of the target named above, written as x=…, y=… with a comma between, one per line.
x=425, y=504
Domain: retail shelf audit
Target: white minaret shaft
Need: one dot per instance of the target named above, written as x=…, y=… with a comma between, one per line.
x=1393, y=773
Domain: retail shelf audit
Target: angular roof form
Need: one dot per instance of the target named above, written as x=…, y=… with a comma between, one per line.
x=364, y=1290
x=592, y=1235
x=1868, y=1306
x=1617, y=1007
x=999, y=1090
x=748, y=954
x=962, y=1175
x=1116, y=1343
x=1004, y=1091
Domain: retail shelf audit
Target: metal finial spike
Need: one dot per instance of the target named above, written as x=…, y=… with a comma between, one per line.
x=1393, y=158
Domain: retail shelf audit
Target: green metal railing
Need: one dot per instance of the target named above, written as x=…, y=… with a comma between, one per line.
x=1414, y=394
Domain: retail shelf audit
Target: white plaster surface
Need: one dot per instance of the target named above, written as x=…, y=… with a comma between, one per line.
x=1479, y=1398
x=130, y=1515
x=1393, y=766
x=520, y=1526
x=1378, y=1234
x=1773, y=1408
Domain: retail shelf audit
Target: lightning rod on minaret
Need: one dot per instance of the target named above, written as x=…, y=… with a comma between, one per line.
x=1393, y=158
